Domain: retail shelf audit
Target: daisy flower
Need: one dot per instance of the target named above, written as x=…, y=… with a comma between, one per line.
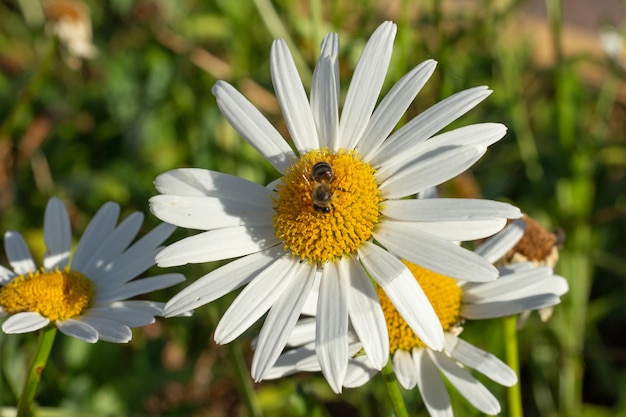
x=337, y=214
x=87, y=296
x=539, y=246
x=520, y=287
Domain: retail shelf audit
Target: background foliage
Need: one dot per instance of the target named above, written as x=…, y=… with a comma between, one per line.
x=104, y=129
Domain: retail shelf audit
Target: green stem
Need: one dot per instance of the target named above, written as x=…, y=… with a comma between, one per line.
x=512, y=78
x=46, y=339
x=243, y=380
x=277, y=29
x=512, y=359
x=393, y=391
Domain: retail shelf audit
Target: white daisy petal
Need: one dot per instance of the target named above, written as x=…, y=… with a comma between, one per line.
x=216, y=245
x=453, y=218
x=507, y=308
x=366, y=314
x=206, y=213
x=122, y=314
x=138, y=287
x=221, y=281
x=496, y=247
x=332, y=325
x=24, y=322
x=448, y=210
x=196, y=182
x=79, y=330
x=466, y=384
x=153, y=308
x=136, y=259
x=432, y=388
x=433, y=253
x=102, y=224
x=459, y=230
x=404, y=369
x=288, y=361
x=366, y=84
x=113, y=245
x=309, y=363
x=312, y=364
x=557, y=285
x=484, y=362
x=253, y=126
x=330, y=49
x=482, y=135
x=124, y=269
x=325, y=93
x=428, y=193
x=510, y=286
x=57, y=235
x=429, y=122
x=281, y=320
x=404, y=292
x=6, y=275
x=310, y=306
x=553, y=284
x=392, y=107
x=303, y=333
x=292, y=98
x=430, y=170
x=152, y=239
x=258, y=296
x=359, y=372
x=19, y=256
x=108, y=330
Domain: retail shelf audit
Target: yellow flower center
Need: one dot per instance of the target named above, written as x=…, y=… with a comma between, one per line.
x=326, y=205
x=56, y=295
x=444, y=295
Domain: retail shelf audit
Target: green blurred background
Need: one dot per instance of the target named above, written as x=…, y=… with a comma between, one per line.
x=99, y=129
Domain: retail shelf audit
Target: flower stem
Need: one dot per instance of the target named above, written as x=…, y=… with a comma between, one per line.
x=243, y=379
x=46, y=339
x=512, y=359
x=393, y=391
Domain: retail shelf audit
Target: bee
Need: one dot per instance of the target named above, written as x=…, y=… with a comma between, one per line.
x=322, y=192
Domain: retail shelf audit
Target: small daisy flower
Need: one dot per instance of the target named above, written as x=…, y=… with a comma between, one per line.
x=87, y=296
x=338, y=214
x=612, y=42
x=539, y=246
x=520, y=287
x=69, y=20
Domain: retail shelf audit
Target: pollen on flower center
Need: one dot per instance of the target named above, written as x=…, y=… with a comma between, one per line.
x=444, y=295
x=56, y=295
x=326, y=205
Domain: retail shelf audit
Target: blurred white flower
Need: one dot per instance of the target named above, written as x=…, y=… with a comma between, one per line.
x=613, y=44
x=70, y=21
